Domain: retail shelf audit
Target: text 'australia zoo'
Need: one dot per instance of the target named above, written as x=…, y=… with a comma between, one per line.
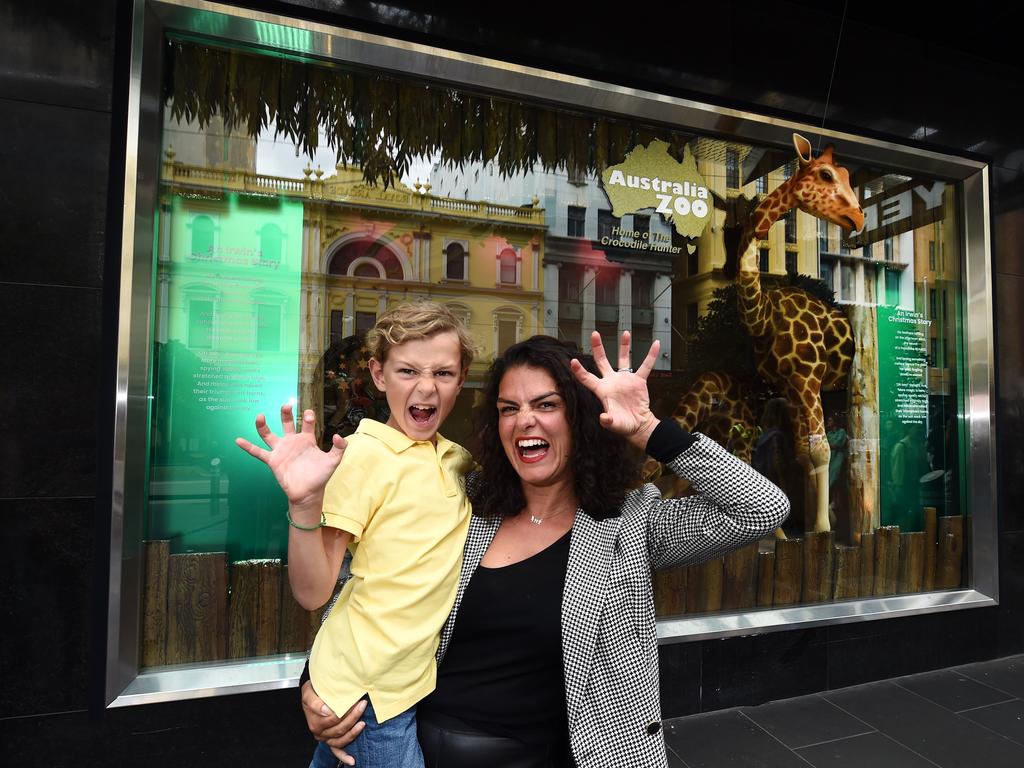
x=684, y=198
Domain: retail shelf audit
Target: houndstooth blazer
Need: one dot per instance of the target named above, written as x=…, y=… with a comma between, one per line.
x=609, y=643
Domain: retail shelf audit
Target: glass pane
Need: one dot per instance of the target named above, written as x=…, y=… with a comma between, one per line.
x=281, y=241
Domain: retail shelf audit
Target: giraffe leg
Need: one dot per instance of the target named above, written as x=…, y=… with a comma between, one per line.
x=812, y=453
x=819, y=452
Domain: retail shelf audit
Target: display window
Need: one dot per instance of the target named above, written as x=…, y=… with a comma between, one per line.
x=808, y=292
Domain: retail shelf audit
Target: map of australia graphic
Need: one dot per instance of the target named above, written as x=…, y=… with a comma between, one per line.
x=649, y=177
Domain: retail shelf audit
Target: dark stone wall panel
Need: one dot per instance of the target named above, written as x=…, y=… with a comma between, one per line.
x=58, y=52
x=44, y=602
x=54, y=166
x=51, y=370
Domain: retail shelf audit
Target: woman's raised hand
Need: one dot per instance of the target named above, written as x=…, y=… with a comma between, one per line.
x=299, y=466
x=622, y=392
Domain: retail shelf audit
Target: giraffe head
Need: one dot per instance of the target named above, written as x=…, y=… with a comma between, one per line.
x=822, y=188
x=819, y=187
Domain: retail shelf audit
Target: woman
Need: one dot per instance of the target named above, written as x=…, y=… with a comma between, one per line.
x=549, y=657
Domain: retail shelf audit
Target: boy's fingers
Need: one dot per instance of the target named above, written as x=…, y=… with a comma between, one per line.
x=265, y=433
x=252, y=450
x=308, y=422
x=287, y=420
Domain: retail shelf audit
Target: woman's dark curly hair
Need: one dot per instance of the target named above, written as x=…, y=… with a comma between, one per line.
x=602, y=464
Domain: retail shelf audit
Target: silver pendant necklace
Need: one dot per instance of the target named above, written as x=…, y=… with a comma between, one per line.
x=538, y=520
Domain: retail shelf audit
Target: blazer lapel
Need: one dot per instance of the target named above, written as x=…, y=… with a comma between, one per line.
x=586, y=581
x=481, y=532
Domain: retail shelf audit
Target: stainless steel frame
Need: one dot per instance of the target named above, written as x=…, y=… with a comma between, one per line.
x=125, y=686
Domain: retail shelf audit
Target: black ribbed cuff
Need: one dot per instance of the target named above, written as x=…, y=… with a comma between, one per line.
x=668, y=440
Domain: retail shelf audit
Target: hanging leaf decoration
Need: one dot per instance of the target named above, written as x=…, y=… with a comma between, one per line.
x=382, y=124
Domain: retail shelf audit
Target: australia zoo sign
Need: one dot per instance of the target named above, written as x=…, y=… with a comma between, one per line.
x=650, y=178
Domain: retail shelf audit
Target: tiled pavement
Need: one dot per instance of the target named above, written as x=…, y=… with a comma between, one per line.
x=965, y=717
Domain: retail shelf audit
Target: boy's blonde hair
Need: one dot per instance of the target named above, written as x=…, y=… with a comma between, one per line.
x=417, y=320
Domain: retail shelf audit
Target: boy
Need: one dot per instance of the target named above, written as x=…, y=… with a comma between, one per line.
x=398, y=499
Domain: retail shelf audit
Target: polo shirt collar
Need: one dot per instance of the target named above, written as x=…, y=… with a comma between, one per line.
x=394, y=439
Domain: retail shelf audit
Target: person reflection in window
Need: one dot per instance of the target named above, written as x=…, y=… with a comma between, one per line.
x=773, y=452
x=909, y=462
x=838, y=443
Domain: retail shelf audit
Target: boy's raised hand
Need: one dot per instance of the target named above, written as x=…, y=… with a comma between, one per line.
x=299, y=466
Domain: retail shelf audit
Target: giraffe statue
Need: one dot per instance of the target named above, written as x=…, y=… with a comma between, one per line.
x=802, y=346
x=715, y=404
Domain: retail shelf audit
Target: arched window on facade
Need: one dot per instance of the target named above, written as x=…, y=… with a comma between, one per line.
x=508, y=267
x=455, y=261
x=366, y=269
x=343, y=259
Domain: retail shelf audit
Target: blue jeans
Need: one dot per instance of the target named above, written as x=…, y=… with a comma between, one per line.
x=392, y=744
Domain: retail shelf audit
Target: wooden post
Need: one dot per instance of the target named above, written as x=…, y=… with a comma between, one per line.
x=863, y=423
x=739, y=588
x=255, y=608
x=154, y=603
x=297, y=624
x=765, y=579
x=887, y=559
x=789, y=566
x=912, y=546
x=817, y=577
x=847, y=578
x=197, y=607
x=931, y=531
x=704, y=587
x=867, y=564
x=951, y=552
x=670, y=591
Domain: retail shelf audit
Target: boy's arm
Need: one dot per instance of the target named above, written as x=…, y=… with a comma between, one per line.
x=314, y=559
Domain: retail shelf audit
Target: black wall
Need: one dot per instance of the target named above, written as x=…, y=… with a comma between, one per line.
x=63, y=83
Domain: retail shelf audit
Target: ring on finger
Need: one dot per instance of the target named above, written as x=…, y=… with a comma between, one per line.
x=625, y=370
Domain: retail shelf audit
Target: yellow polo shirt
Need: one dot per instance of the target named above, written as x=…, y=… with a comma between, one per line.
x=404, y=503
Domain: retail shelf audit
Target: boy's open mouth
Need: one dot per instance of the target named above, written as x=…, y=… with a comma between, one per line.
x=421, y=414
x=532, y=448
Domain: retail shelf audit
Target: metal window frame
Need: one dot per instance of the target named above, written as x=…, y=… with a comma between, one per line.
x=152, y=18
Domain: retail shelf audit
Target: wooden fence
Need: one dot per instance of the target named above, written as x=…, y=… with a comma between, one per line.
x=815, y=569
x=198, y=607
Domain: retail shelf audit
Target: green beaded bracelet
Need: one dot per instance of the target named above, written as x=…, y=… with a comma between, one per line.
x=293, y=524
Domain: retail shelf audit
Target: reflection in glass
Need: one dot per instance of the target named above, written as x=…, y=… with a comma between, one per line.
x=281, y=242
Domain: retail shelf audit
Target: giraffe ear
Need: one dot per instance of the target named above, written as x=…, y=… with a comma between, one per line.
x=803, y=148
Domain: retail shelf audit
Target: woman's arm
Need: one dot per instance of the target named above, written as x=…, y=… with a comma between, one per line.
x=733, y=506
x=734, y=503
x=302, y=470
x=336, y=732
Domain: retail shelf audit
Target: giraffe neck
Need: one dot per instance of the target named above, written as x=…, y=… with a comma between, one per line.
x=753, y=304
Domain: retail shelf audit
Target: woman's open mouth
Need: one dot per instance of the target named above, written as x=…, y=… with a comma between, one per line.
x=531, y=449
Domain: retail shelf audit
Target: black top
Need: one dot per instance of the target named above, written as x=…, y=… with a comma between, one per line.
x=502, y=672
